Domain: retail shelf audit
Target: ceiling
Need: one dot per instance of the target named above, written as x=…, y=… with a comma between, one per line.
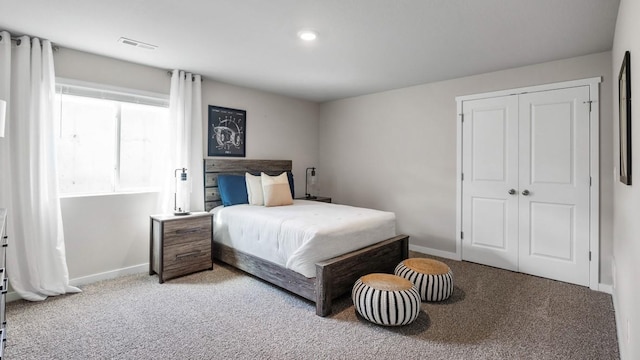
x=363, y=46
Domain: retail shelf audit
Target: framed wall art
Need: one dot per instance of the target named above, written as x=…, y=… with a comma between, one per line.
x=227, y=131
x=624, y=97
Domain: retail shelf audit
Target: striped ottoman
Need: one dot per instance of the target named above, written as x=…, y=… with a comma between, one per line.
x=432, y=278
x=386, y=299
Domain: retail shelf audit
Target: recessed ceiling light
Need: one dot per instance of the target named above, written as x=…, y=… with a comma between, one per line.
x=308, y=35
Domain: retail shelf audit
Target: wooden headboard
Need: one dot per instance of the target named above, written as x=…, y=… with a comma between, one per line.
x=215, y=167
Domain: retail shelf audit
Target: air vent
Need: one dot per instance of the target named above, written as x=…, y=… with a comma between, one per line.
x=136, y=43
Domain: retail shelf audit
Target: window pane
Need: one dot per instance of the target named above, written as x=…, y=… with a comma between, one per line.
x=86, y=150
x=107, y=145
x=141, y=130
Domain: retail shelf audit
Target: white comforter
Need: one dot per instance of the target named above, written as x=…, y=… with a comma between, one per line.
x=300, y=235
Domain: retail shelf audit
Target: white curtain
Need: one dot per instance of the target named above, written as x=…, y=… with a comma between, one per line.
x=185, y=142
x=36, y=260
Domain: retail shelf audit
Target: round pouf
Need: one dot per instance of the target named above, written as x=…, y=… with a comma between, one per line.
x=386, y=299
x=432, y=278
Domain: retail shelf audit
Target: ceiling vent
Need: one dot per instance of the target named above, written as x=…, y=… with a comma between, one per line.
x=137, y=43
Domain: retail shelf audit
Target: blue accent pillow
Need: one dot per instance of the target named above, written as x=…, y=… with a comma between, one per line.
x=290, y=177
x=233, y=190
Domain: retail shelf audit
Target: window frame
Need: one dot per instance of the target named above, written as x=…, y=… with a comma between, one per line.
x=66, y=86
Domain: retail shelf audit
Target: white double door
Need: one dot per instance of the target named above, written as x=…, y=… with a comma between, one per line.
x=525, y=191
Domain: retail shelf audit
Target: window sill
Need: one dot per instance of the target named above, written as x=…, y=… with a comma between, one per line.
x=132, y=192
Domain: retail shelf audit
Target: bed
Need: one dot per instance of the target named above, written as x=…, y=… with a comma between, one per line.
x=332, y=275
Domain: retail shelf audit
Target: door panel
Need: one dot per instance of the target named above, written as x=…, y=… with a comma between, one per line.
x=490, y=221
x=488, y=225
x=489, y=158
x=551, y=231
x=551, y=144
x=554, y=168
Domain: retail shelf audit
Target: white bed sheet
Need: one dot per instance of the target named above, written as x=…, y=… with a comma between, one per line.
x=300, y=235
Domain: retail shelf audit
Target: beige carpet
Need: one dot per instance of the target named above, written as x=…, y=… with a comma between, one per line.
x=224, y=314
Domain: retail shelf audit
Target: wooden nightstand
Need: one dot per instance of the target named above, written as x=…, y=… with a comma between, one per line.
x=317, y=198
x=180, y=245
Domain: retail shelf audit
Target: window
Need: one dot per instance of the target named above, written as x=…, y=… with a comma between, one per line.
x=110, y=140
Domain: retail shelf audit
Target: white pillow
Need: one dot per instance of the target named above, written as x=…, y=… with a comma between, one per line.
x=254, y=189
x=276, y=190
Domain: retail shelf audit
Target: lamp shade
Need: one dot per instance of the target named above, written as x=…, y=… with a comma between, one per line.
x=3, y=116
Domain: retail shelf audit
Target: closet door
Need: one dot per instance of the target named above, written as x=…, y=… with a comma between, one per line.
x=554, y=184
x=490, y=170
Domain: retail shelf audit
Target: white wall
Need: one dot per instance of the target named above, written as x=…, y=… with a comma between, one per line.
x=393, y=150
x=278, y=127
x=626, y=203
x=396, y=150
x=104, y=234
x=110, y=233
x=107, y=234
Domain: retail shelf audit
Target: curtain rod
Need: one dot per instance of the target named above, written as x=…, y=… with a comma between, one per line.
x=170, y=73
x=17, y=40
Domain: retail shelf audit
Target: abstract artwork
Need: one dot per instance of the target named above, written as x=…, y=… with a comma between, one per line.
x=227, y=131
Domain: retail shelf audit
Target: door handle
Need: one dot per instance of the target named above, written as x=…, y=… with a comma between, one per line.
x=526, y=192
x=512, y=191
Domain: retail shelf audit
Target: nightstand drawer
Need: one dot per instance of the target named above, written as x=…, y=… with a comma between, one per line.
x=186, y=270
x=181, y=232
x=3, y=340
x=3, y=302
x=184, y=255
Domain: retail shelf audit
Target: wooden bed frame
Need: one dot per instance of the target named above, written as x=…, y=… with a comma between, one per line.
x=334, y=277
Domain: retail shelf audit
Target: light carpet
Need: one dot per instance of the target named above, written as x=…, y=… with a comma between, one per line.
x=225, y=314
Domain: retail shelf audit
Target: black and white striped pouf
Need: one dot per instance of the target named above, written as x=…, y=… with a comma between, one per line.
x=386, y=299
x=432, y=278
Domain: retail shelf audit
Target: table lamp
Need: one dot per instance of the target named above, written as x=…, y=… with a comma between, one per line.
x=181, y=193
x=313, y=181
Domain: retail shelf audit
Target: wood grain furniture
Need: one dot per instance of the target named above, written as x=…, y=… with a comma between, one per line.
x=4, y=280
x=180, y=245
x=334, y=277
x=386, y=299
x=316, y=198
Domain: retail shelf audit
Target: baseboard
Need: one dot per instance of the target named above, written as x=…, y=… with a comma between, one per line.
x=434, y=252
x=605, y=288
x=13, y=296
x=619, y=323
x=109, y=275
